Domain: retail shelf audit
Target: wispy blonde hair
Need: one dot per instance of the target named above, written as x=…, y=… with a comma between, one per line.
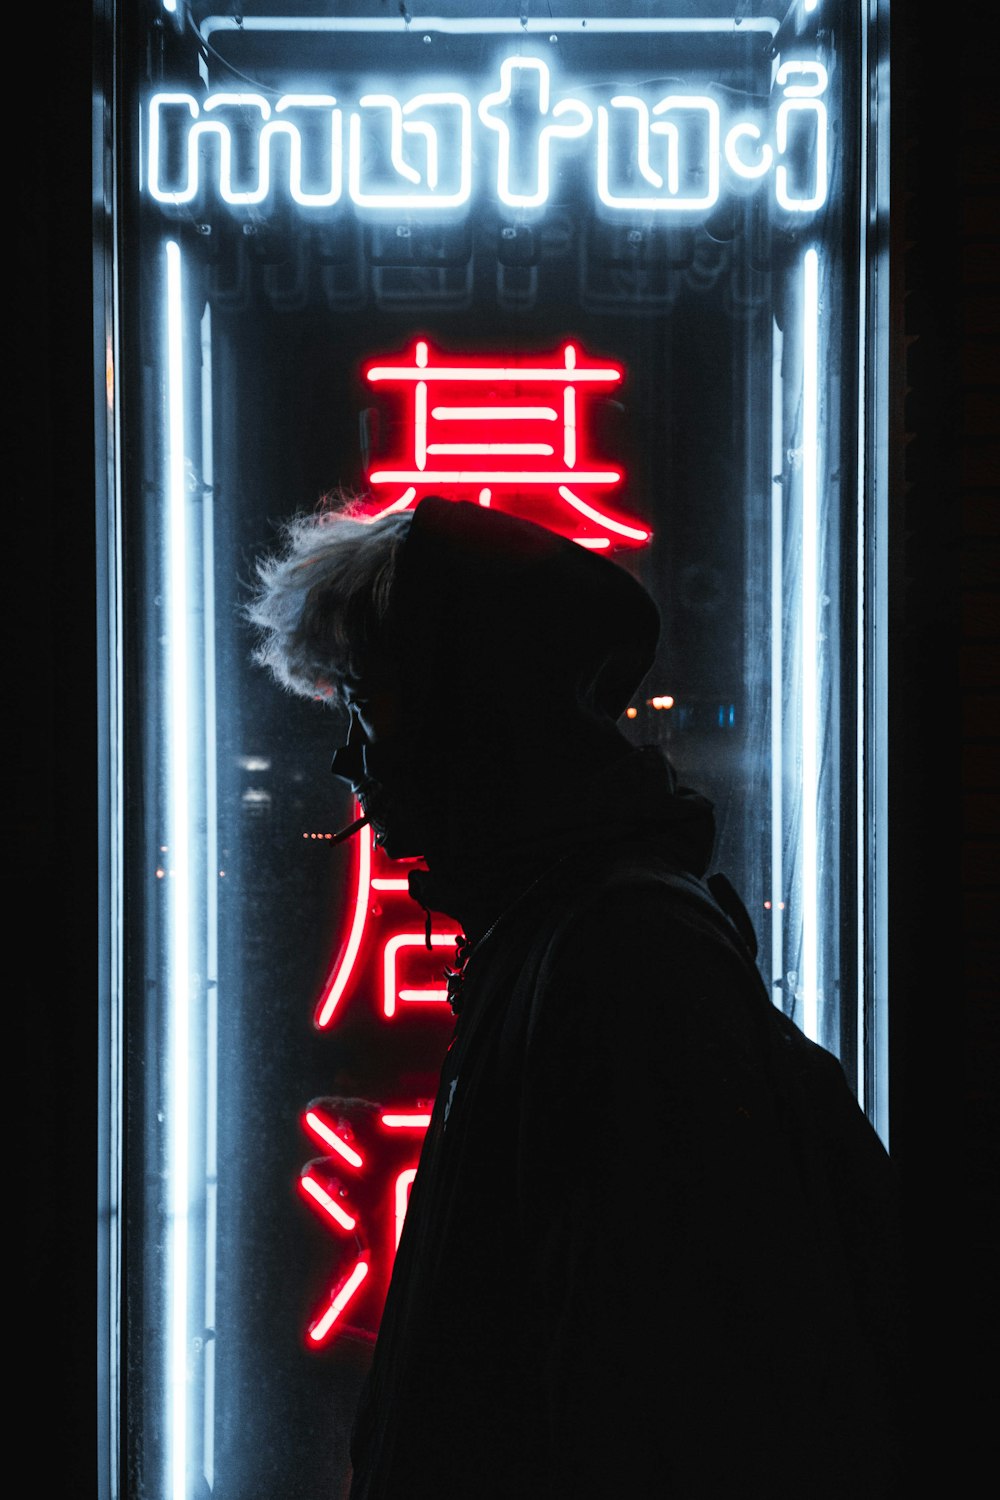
x=320, y=601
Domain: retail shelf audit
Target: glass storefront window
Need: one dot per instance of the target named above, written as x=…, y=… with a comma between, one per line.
x=608, y=267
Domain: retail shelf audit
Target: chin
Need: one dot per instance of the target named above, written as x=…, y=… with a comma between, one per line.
x=399, y=843
x=401, y=829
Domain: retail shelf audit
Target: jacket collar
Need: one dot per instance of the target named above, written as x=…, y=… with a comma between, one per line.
x=636, y=797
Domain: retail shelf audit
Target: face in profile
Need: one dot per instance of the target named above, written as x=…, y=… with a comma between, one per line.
x=379, y=765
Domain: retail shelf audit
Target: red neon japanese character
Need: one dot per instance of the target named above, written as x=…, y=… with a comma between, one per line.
x=480, y=428
x=365, y=1140
x=381, y=913
x=385, y=954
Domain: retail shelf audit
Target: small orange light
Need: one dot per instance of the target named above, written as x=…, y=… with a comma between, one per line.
x=630, y=713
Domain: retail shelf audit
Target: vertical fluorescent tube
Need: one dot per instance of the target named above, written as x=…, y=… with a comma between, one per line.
x=862, y=847
x=109, y=621
x=179, y=943
x=777, y=667
x=874, y=229
x=212, y=878
x=809, y=978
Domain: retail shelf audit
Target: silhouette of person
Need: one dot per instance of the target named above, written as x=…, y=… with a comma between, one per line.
x=651, y=1245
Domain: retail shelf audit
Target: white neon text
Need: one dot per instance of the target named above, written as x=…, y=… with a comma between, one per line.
x=576, y=118
x=661, y=155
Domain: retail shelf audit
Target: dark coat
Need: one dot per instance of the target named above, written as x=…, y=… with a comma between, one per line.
x=650, y=1249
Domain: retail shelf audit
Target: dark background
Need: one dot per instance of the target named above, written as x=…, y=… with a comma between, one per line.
x=944, y=720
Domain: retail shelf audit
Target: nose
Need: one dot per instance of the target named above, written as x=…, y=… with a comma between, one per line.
x=349, y=761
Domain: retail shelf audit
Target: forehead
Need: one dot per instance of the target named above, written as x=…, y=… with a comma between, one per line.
x=372, y=681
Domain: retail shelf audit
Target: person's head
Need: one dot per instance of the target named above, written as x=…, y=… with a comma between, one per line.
x=321, y=607
x=484, y=660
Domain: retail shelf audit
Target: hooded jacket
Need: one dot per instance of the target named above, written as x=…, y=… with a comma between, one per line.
x=650, y=1248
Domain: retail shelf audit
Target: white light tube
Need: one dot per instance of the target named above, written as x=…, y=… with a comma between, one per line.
x=178, y=781
x=810, y=633
x=516, y=25
x=211, y=868
x=777, y=669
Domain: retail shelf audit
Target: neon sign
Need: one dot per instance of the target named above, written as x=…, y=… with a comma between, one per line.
x=493, y=428
x=499, y=429
x=663, y=154
x=359, y=1187
x=478, y=428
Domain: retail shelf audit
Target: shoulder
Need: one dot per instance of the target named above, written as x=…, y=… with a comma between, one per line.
x=633, y=954
x=628, y=906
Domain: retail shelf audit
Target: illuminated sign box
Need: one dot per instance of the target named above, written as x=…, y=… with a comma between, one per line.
x=479, y=426
x=437, y=144
x=413, y=128
x=598, y=271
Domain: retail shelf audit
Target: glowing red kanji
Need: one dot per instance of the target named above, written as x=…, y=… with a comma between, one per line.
x=320, y=1184
x=323, y=1190
x=479, y=428
x=384, y=945
x=377, y=879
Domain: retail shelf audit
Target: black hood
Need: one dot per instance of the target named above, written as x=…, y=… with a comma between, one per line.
x=518, y=650
x=515, y=622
